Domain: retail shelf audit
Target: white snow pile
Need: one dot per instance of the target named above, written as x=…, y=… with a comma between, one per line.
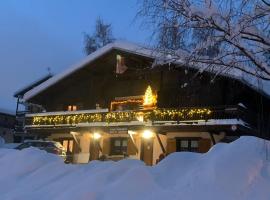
x=240, y=170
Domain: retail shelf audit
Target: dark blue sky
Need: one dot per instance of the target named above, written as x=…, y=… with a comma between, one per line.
x=37, y=34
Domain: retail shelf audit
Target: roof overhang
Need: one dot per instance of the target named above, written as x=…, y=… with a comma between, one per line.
x=20, y=93
x=121, y=46
x=135, y=49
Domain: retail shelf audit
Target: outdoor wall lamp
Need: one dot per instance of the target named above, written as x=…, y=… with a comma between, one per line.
x=96, y=136
x=147, y=134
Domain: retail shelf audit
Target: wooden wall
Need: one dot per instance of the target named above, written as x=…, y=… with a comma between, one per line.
x=97, y=83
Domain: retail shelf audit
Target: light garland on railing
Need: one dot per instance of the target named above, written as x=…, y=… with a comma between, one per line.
x=180, y=114
x=153, y=115
x=67, y=119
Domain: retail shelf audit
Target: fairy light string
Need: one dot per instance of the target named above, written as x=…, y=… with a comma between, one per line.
x=128, y=116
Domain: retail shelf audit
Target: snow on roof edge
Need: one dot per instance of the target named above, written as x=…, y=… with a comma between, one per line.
x=36, y=82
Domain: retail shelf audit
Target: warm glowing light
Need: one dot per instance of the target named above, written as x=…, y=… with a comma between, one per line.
x=149, y=99
x=132, y=101
x=96, y=136
x=183, y=114
x=147, y=134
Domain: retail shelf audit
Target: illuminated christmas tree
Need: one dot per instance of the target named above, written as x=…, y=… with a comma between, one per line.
x=150, y=99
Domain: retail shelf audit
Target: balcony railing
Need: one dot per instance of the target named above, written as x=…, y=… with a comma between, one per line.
x=143, y=116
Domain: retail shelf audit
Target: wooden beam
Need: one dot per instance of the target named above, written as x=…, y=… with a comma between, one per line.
x=132, y=139
x=99, y=147
x=160, y=144
x=212, y=138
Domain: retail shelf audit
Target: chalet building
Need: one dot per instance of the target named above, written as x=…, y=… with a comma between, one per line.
x=114, y=104
x=7, y=123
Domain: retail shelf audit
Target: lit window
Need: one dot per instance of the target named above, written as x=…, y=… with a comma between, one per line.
x=72, y=108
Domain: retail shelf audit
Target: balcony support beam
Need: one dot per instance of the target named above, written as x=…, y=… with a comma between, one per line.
x=212, y=138
x=160, y=143
x=132, y=139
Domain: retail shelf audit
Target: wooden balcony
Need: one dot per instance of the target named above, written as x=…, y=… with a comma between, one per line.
x=197, y=116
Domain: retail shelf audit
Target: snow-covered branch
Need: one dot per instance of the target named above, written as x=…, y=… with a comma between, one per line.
x=217, y=34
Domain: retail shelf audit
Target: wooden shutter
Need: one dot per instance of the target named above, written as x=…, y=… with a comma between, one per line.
x=171, y=145
x=204, y=145
x=106, y=146
x=131, y=148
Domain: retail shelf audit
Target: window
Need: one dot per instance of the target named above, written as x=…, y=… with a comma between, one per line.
x=72, y=108
x=187, y=144
x=68, y=145
x=119, y=146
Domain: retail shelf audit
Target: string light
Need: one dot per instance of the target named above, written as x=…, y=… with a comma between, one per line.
x=149, y=101
x=127, y=116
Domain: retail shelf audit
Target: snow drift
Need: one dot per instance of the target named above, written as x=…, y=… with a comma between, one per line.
x=240, y=170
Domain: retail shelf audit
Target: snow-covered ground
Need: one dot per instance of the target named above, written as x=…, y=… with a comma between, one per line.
x=240, y=170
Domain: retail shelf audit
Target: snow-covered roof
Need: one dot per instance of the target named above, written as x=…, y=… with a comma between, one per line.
x=30, y=86
x=142, y=51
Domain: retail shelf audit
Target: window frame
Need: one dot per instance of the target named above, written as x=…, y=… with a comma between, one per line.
x=114, y=151
x=189, y=148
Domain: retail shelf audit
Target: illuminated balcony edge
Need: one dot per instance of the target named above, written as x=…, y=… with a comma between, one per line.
x=103, y=116
x=209, y=122
x=105, y=110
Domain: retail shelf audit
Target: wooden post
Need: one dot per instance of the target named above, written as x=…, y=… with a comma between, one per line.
x=212, y=138
x=99, y=147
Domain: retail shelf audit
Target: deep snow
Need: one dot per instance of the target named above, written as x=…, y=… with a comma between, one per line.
x=240, y=170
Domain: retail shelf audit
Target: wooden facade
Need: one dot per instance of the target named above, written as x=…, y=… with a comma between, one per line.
x=193, y=111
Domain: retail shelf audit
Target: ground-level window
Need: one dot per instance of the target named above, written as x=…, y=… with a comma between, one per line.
x=187, y=144
x=67, y=143
x=119, y=146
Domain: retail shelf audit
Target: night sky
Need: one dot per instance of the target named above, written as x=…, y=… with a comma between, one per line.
x=37, y=34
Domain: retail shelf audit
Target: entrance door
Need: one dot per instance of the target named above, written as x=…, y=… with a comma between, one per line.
x=94, y=149
x=147, y=151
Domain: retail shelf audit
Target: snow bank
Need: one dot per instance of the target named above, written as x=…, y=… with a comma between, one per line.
x=240, y=170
